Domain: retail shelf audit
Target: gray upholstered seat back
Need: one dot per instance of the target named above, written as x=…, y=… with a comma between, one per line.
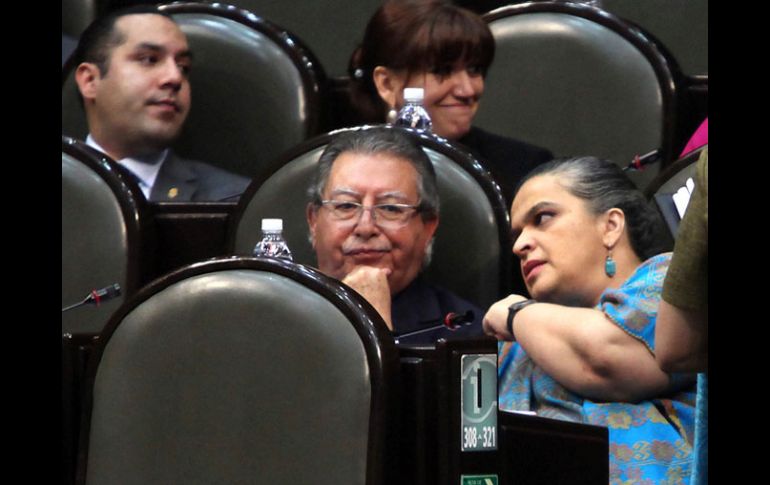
x=467, y=256
x=73, y=119
x=94, y=249
x=573, y=85
x=251, y=99
x=282, y=196
x=76, y=15
x=311, y=20
x=231, y=376
x=682, y=25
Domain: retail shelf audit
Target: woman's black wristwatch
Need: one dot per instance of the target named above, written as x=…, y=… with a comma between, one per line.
x=512, y=311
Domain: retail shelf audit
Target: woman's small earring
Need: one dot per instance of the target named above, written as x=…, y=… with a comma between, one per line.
x=609, y=265
x=392, y=115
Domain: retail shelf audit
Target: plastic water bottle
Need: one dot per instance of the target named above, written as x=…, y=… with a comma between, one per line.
x=413, y=114
x=272, y=243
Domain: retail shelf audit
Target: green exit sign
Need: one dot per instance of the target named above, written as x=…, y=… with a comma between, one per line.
x=478, y=480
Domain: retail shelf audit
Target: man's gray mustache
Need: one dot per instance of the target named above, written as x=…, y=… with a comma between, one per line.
x=355, y=248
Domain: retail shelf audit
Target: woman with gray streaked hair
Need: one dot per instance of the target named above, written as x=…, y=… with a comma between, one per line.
x=582, y=349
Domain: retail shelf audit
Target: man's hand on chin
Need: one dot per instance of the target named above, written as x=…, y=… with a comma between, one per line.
x=372, y=284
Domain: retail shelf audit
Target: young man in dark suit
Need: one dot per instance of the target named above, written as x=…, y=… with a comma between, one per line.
x=133, y=76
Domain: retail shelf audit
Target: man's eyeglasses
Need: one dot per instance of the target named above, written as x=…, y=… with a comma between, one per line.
x=384, y=215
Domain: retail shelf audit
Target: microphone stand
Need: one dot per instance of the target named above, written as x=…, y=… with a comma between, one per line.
x=641, y=161
x=452, y=321
x=97, y=296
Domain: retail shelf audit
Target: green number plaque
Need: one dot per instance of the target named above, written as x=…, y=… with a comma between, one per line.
x=478, y=395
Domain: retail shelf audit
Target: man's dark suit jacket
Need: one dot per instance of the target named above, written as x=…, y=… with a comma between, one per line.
x=182, y=180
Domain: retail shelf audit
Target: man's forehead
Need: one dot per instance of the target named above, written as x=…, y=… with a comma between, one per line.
x=353, y=160
x=144, y=26
x=397, y=174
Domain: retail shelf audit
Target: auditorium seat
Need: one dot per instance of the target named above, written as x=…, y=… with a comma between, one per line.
x=665, y=185
x=76, y=15
x=472, y=249
x=682, y=25
x=105, y=240
x=105, y=234
x=256, y=89
x=331, y=36
x=580, y=81
x=241, y=370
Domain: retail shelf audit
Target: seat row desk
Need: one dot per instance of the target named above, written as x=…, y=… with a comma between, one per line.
x=450, y=430
x=438, y=441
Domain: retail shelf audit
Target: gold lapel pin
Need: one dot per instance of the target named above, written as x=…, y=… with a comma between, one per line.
x=173, y=192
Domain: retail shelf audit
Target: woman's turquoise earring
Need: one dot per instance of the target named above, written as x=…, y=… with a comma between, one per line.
x=609, y=265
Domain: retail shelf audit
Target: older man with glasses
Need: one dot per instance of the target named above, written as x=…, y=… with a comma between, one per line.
x=374, y=210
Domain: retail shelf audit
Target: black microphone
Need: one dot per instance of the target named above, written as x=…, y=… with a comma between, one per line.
x=451, y=320
x=641, y=161
x=97, y=296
